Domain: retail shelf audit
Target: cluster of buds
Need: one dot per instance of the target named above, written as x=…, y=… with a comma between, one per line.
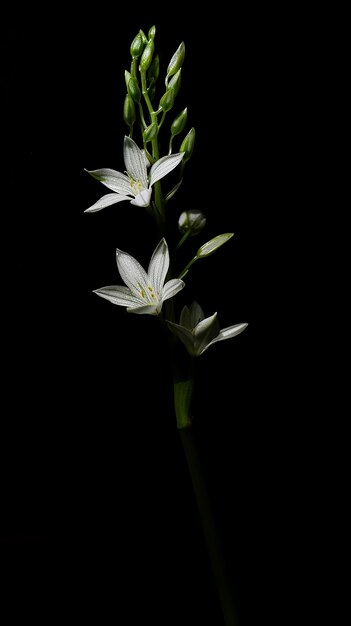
x=141, y=97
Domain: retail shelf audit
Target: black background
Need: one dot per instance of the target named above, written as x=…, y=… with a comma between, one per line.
x=97, y=508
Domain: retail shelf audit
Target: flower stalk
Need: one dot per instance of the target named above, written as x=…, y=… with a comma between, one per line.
x=151, y=291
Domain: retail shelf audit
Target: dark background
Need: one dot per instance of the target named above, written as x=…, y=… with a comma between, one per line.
x=97, y=508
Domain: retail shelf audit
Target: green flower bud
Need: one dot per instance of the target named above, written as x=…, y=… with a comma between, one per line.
x=188, y=145
x=177, y=60
x=129, y=110
x=147, y=55
x=193, y=221
x=212, y=245
x=167, y=100
x=154, y=69
x=137, y=45
x=151, y=92
x=174, y=83
x=134, y=89
x=152, y=32
x=127, y=76
x=179, y=123
x=150, y=132
x=143, y=36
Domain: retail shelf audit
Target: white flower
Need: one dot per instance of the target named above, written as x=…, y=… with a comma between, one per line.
x=136, y=185
x=199, y=333
x=145, y=291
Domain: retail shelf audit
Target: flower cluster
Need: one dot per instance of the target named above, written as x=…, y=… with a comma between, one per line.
x=145, y=111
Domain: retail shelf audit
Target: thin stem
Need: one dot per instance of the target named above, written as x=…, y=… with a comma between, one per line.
x=159, y=199
x=186, y=268
x=184, y=238
x=209, y=529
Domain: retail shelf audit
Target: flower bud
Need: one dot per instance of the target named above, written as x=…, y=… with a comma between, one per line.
x=147, y=55
x=188, y=145
x=167, y=100
x=212, y=245
x=129, y=110
x=193, y=221
x=143, y=37
x=137, y=45
x=154, y=69
x=177, y=60
x=174, y=83
x=134, y=89
x=179, y=123
x=150, y=132
x=127, y=76
x=151, y=92
x=152, y=32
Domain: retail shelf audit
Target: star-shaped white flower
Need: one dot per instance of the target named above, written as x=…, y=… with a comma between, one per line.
x=134, y=186
x=145, y=291
x=198, y=333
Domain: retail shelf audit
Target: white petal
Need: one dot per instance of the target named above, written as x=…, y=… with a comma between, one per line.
x=184, y=335
x=146, y=160
x=158, y=266
x=143, y=198
x=172, y=287
x=227, y=333
x=163, y=166
x=117, y=294
x=134, y=161
x=107, y=200
x=113, y=180
x=185, y=319
x=196, y=314
x=133, y=275
x=148, y=309
x=205, y=332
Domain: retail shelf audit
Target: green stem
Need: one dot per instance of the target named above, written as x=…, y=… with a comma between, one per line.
x=209, y=529
x=186, y=268
x=159, y=199
x=184, y=238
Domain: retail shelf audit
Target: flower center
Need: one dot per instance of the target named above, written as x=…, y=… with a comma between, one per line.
x=148, y=295
x=136, y=185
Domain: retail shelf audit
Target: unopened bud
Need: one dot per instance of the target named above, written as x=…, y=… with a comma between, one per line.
x=137, y=45
x=167, y=100
x=177, y=60
x=129, y=110
x=188, y=145
x=212, y=245
x=174, y=83
x=150, y=132
x=152, y=32
x=143, y=37
x=179, y=123
x=134, y=89
x=154, y=69
x=193, y=221
x=147, y=55
x=127, y=76
x=151, y=92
